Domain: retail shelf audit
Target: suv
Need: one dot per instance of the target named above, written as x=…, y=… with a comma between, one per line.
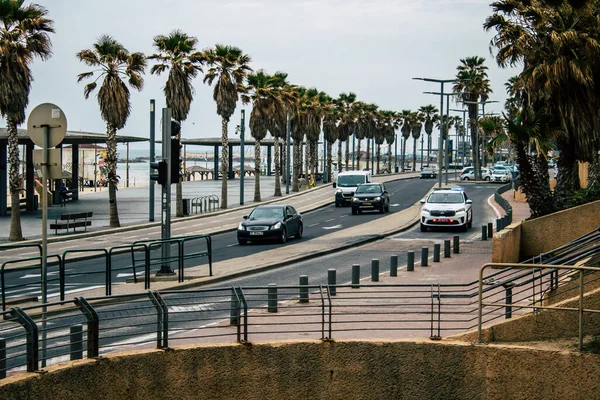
x=346, y=183
x=427, y=172
x=447, y=207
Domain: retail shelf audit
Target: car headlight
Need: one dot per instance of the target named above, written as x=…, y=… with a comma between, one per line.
x=355, y=199
x=461, y=210
x=425, y=210
x=241, y=227
x=377, y=198
x=276, y=226
x=339, y=191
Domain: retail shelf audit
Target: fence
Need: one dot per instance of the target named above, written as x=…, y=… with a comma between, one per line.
x=506, y=220
x=204, y=204
x=129, y=260
x=157, y=319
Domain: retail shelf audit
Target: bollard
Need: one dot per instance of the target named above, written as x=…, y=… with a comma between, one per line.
x=483, y=232
x=410, y=261
x=456, y=245
x=331, y=281
x=436, y=252
x=2, y=358
x=355, y=276
x=272, y=298
x=374, y=270
x=490, y=232
x=76, y=347
x=303, y=288
x=447, y=248
x=394, y=266
x=424, y=256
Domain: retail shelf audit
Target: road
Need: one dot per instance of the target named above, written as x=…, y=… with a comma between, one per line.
x=91, y=273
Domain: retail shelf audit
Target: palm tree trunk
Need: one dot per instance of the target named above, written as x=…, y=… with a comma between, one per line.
x=378, y=159
x=475, y=146
x=224, y=162
x=179, y=186
x=111, y=169
x=339, y=157
x=347, y=154
x=284, y=156
x=428, y=148
x=297, y=164
x=414, y=166
x=16, y=233
x=257, y=171
x=389, y=158
x=306, y=159
x=277, y=166
x=329, y=158
x=368, y=151
x=567, y=182
x=358, y=155
x=403, y=155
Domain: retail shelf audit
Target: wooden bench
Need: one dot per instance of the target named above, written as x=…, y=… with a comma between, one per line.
x=64, y=196
x=76, y=220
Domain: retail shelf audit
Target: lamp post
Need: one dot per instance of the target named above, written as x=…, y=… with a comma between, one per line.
x=464, y=112
x=483, y=103
x=447, y=128
x=440, y=140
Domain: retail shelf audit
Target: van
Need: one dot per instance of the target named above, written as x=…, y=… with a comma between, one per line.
x=346, y=183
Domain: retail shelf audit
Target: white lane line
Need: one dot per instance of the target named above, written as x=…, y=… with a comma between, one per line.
x=310, y=226
x=126, y=275
x=231, y=245
x=498, y=215
x=329, y=220
x=343, y=216
x=332, y=227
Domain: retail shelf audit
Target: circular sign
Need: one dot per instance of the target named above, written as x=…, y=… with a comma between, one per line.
x=47, y=117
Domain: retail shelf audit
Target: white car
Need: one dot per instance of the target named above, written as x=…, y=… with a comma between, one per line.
x=501, y=175
x=469, y=175
x=447, y=207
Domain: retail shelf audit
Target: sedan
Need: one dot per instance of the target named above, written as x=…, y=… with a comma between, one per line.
x=427, y=172
x=270, y=222
x=371, y=196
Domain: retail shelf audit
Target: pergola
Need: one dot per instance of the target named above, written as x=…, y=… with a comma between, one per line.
x=71, y=138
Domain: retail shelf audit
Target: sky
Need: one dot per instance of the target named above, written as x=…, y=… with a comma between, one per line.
x=370, y=47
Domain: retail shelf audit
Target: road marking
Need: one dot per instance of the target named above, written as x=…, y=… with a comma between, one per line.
x=494, y=207
x=395, y=205
x=126, y=275
x=329, y=220
x=231, y=245
x=332, y=227
x=310, y=226
x=343, y=216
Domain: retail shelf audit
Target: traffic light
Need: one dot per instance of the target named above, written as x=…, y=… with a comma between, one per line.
x=160, y=175
x=175, y=160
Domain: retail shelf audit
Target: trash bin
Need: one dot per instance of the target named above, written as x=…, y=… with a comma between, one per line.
x=187, y=206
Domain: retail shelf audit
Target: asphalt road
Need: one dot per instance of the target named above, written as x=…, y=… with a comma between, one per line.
x=91, y=273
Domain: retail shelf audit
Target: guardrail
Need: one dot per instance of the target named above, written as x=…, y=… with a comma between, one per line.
x=157, y=319
x=506, y=220
x=66, y=269
x=204, y=204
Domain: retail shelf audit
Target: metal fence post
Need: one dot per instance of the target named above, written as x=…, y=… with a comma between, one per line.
x=436, y=252
x=272, y=298
x=483, y=232
x=234, y=309
x=32, y=332
x=490, y=230
x=410, y=261
x=303, y=289
x=508, y=301
x=447, y=248
x=394, y=265
x=374, y=270
x=456, y=244
x=93, y=326
x=2, y=358
x=332, y=281
x=76, y=343
x=355, y=276
x=424, y=256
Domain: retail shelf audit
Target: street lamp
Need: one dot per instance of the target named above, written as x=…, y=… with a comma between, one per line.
x=483, y=103
x=446, y=160
x=440, y=141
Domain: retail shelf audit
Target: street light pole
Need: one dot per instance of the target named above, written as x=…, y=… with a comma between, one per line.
x=464, y=112
x=242, y=161
x=287, y=158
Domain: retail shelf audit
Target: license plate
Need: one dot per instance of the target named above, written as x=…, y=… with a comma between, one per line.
x=443, y=219
x=367, y=204
x=256, y=233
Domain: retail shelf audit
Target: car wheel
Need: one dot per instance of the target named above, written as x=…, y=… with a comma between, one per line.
x=359, y=211
x=387, y=208
x=381, y=209
x=242, y=242
x=283, y=237
x=300, y=232
x=487, y=178
x=465, y=227
x=423, y=228
x=337, y=204
x=466, y=178
x=470, y=223
x=354, y=211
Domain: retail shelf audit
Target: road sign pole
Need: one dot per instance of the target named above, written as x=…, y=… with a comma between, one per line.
x=242, y=144
x=152, y=155
x=44, y=239
x=165, y=269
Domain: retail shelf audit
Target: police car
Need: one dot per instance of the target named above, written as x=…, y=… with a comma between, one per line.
x=447, y=207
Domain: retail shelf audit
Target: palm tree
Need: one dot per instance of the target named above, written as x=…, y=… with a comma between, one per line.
x=415, y=129
x=431, y=117
x=405, y=120
x=330, y=131
x=23, y=37
x=228, y=65
x=379, y=138
x=177, y=53
x=493, y=127
x=115, y=64
x=472, y=87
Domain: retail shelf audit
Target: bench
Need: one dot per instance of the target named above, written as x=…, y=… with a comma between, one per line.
x=73, y=221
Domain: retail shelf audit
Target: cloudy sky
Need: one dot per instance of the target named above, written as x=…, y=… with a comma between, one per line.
x=370, y=47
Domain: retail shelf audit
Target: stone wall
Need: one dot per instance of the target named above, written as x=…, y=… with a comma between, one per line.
x=320, y=370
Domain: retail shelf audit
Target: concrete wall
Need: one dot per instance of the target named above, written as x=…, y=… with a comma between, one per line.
x=529, y=238
x=321, y=370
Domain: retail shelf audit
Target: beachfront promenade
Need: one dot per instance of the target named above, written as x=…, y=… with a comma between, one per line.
x=133, y=204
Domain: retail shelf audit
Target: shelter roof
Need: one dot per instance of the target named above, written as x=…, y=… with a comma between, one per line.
x=234, y=141
x=73, y=137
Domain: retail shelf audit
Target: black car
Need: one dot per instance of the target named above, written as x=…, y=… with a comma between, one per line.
x=371, y=196
x=270, y=222
x=427, y=172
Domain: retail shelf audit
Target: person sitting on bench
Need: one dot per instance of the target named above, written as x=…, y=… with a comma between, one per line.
x=63, y=193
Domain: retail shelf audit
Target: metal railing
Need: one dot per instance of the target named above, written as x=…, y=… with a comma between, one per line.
x=204, y=204
x=157, y=319
x=505, y=220
x=134, y=259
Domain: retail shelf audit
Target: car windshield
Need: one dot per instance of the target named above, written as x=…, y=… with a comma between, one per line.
x=427, y=170
x=445, y=198
x=270, y=212
x=369, y=189
x=350, y=180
